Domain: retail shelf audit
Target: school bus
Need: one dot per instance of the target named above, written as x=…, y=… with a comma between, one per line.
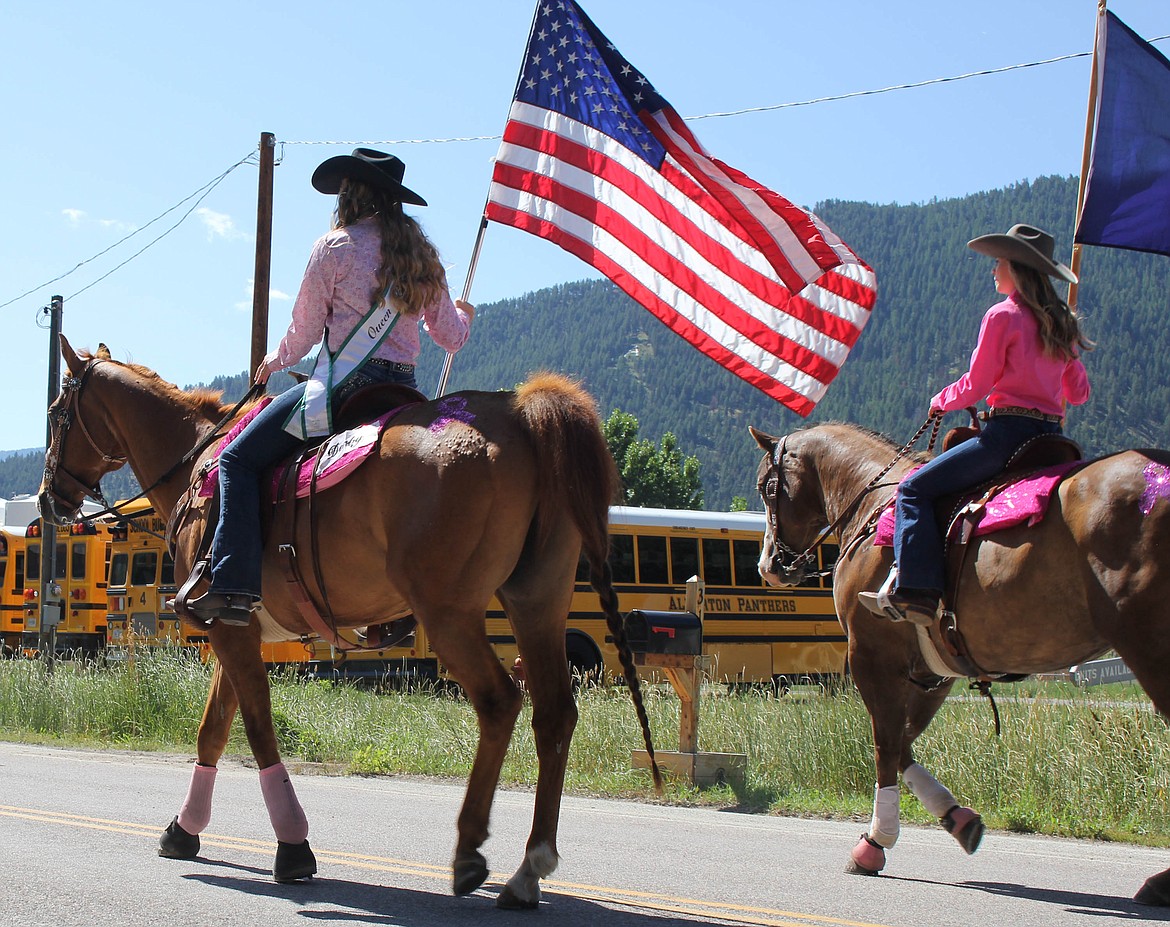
x=12, y=545
x=753, y=633
x=82, y=563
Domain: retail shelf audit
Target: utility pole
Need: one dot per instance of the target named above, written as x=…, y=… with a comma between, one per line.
x=51, y=604
x=262, y=278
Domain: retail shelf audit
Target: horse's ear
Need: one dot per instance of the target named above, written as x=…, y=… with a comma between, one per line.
x=765, y=441
x=72, y=364
x=103, y=352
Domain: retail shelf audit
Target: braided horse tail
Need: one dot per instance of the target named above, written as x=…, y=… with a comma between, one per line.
x=576, y=470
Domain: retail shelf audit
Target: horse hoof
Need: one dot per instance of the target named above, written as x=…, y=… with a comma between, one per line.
x=176, y=843
x=966, y=827
x=867, y=858
x=470, y=874
x=1156, y=891
x=510, y=901
x=294, y=861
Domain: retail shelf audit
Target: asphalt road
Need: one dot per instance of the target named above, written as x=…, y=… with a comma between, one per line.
x=79, y=832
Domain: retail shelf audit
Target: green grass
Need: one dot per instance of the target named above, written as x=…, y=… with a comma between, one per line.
x=1071, y=762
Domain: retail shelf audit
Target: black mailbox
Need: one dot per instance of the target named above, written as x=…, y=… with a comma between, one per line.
x=664, y=632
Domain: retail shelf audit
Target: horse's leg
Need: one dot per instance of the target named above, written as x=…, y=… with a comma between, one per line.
x=1147, y=654
x=181, y=838
x=460, y=643
x=238, y=652
x=881, y=671
x=962, y=823
x=541, y=642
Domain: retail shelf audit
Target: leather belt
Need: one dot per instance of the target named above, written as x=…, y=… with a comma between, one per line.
x=396, y=366
x=1025, y=412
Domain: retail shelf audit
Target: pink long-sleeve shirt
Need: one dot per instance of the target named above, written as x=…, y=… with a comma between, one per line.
x=337, y=289
x=1009, y=367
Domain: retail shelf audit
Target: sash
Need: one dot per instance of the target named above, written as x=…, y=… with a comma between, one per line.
x=312, y=414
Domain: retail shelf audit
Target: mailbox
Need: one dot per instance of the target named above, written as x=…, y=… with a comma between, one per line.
x=664, y=632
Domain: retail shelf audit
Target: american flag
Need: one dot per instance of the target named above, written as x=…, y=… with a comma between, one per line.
x=594, y=159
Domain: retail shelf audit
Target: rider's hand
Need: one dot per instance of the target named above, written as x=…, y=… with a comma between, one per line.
x=466, y=307
x=270, y=365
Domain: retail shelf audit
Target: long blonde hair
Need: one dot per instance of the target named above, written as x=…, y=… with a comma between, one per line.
x=1060, y=330
x=410, y=264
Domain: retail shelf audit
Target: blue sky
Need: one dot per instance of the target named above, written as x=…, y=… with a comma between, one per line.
x=114, y=113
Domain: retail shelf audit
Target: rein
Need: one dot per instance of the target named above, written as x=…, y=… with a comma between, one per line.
x=776, y=471
x=70, y=412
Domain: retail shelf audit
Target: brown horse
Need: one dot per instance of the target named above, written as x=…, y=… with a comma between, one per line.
x=481, y=494
x=1093, y=575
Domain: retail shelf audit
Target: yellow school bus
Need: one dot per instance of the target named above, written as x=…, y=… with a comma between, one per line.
x=83, y=551
x=753, y=633
x=12, y=603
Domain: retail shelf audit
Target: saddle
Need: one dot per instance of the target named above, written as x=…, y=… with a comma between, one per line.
x=297, y=478
x=961, y=514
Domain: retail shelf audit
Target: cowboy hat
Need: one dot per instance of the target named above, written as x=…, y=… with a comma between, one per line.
x=1026, y=245
x=375, y=168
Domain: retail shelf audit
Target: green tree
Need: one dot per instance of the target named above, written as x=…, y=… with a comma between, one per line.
x=657, y=477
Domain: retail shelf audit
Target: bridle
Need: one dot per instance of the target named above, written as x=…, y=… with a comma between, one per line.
x=69, y=413
x=787, y=562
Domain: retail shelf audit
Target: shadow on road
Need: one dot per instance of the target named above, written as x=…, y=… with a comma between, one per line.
x=1075, y=902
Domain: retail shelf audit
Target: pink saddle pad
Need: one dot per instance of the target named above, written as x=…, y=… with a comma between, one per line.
x=336, y=459
x=1023, y=502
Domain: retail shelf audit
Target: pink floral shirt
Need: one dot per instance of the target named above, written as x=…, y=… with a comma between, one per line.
x=337, y=292
x=1009, y=367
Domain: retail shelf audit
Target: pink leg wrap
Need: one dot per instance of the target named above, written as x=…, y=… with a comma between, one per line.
x=196, y=810
x=868, y=857
x=284, y=811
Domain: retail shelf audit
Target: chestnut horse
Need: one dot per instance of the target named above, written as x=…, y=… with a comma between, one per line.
x=1093, y=575
x=476, y=495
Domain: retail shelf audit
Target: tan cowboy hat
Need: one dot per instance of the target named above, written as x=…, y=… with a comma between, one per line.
x=1026, y=245
x=375, y=168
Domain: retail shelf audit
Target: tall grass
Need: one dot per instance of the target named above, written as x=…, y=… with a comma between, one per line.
x=1069, y=762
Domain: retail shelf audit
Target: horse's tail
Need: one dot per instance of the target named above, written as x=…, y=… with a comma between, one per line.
x=576, y=470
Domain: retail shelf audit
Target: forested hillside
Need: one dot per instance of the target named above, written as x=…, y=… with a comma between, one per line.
x=932, y=291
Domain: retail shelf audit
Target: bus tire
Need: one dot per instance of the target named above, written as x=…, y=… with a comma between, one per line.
x=585, y=665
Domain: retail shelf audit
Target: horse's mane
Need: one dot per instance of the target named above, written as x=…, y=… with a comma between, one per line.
x=885, y=440
x=203, y=400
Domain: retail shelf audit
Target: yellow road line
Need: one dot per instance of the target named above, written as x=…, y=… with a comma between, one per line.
x=695, y=907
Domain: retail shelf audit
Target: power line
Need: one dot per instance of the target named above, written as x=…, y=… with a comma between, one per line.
x=204, y=190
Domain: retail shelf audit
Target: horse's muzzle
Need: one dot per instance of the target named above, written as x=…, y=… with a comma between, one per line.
x=56, y=510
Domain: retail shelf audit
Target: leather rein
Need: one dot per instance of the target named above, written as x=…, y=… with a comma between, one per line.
x=797, y=563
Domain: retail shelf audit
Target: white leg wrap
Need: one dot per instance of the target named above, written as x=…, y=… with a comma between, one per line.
x=884, y=827
x=539, y=862
x=935, y=797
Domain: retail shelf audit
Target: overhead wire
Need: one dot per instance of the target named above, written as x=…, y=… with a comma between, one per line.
x=206, y=189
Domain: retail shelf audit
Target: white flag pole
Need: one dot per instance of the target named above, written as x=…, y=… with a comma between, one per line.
x=441, y=389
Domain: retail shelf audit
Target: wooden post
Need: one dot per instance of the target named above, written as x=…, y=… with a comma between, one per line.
x=262, y=278
x=685, y=672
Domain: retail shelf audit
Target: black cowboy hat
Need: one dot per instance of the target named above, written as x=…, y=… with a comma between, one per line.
x=375, y=168
x=1026, y=245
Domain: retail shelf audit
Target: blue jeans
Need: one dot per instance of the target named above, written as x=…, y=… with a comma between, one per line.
x=237, y=548
x=919, y=549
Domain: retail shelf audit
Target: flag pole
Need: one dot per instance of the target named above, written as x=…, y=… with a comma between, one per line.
x=441, y=389
x=1090, y=121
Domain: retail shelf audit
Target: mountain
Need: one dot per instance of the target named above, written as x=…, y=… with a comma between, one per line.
x=932, y=292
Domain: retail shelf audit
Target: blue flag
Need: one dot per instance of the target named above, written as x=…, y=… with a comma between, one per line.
x=1127, y=193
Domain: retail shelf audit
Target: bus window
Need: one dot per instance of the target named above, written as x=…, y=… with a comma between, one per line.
x=62, y=553
x=716, y=562
x=621, y=558
x=144, y=568
x=684, y=559
x=77, y=561
x=119, y=568
x=32, y=564
x=652, y=560
x=747, y=563
x=168, y=570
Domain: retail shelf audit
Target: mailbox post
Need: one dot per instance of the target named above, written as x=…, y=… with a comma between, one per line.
x=673, y=643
